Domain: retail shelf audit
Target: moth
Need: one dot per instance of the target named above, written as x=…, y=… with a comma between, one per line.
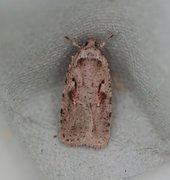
x=86, y=108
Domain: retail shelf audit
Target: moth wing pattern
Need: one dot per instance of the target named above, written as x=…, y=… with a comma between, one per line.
x=85, y=116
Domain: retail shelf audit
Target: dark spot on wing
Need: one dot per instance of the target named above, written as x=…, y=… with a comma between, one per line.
x=108, y=124
x=110, y=100
x=66, y=80
x=80, y=61
x=99, y=63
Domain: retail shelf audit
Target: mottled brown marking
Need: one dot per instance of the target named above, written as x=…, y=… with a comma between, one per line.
x=108, y=124
x=110, y=100
x=99, y=63
x=85, y=118
x=66, y=81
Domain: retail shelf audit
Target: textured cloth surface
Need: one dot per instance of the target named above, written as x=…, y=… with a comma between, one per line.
x=33, y=61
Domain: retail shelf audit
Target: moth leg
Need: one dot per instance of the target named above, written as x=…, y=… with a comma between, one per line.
x=73, y=42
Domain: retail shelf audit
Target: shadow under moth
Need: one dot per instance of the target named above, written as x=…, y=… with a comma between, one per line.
x=85, y=116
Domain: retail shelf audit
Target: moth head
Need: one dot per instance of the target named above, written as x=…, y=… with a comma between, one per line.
x=91, y=42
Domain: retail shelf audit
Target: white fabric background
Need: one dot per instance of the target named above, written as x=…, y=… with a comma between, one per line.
x=33, y=61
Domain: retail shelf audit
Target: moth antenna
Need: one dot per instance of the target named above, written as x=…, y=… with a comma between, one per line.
x=102, y=44
x=73, y=42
